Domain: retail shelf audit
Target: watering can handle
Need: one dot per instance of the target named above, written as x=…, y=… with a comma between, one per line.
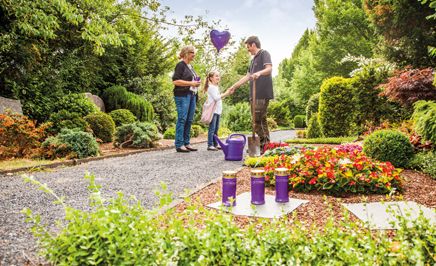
x=242, y=135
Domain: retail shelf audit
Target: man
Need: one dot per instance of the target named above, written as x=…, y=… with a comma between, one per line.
x=259, y=71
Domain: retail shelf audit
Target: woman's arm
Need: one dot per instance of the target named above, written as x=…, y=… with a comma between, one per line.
x=184, y=83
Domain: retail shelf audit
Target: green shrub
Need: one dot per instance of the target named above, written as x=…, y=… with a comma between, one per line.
x=76, y=103
x=301, y=134
x=424, y=117
x=279, y=111
x=170, y=133
x=338, y=140
x=66, y=119
x=196, y=130
x=389, y=146
x=120, y=231
x=271, y=123
x=425, y=162
x=117, y=97
x=336, y=107
x=102, y=125
x=137, y=135
x=224, y=132
x=299, y=121
x=70, y=143
x=238, y=118
x=312, y=107
x=313, y=129
x=122, y=116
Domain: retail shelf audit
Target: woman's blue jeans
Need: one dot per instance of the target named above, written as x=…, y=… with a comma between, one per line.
x=185, y=115
x=213, y=130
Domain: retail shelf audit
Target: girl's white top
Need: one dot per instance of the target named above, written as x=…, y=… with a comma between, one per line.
x=213, y=94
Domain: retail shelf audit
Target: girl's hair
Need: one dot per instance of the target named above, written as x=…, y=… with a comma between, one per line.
x=209, y=76
x=186, y=50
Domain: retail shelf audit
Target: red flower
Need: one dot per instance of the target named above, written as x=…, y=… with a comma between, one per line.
x=312, y=181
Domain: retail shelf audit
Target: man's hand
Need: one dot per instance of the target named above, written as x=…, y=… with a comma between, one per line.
x=255, y=76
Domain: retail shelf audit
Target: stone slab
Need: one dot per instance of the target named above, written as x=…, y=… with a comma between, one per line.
x=270, y=209
x=11, y=104
x=383, y=215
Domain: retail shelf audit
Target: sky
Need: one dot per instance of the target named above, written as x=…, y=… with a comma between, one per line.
x=279, y=24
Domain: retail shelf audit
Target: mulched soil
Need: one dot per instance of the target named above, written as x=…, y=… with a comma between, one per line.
x=418, y=187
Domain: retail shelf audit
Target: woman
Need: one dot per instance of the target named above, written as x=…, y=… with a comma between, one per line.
x=186, y=83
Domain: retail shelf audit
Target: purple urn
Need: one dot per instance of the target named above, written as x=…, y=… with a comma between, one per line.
x=282, y=183
x=229, y=188
x=257, y=187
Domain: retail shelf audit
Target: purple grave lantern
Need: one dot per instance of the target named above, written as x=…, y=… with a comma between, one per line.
x=282, y=181
x=229, y=188
x=257, y=187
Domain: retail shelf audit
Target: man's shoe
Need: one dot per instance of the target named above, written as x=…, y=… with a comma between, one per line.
x=182, y=150
x=189, y=147
x=211, y=148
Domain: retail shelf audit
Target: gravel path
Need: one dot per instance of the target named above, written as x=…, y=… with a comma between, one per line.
x=137, y=175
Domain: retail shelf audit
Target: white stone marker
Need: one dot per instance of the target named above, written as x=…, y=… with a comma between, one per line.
x=382, y=215
x=271, y=209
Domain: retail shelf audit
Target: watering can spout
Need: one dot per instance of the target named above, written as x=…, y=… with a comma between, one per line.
x=224, y=146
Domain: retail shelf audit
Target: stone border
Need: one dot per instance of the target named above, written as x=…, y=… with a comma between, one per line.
x=73, y=162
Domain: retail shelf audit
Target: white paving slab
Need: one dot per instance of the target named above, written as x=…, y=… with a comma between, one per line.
x=383, y=215
x=271, y=209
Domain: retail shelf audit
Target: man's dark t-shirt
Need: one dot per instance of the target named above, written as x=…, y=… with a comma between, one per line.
x=264, y=86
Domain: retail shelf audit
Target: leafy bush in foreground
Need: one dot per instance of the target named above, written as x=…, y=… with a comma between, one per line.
x=120, y=231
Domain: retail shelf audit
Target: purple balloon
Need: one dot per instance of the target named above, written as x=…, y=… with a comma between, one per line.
x=219, y=38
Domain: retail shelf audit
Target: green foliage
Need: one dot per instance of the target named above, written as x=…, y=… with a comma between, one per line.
x=196, y=130
x=102, y=125
x=279, y=111
x=117, y=97
x=406, y=32
x=76, y=103
x=312, y=106
x=389, y=146
x=313, y=128
x=424, y=117
x=122, y=116
x=425, y=162
x=271, y=123
x=299, y=121
x=339, y=140
x=238, y=117
x=170, y=133
x=72, y=143
x=65, y=119
x=118, y=231
x=137, y=135
x=336, y=107
x=224, y=132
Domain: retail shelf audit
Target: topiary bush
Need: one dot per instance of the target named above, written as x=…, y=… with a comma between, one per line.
x=279, y=111
x=424, y=118
x=313, y=128
x=299, y=121
x=389, y=146
x=336, y=107
x=71, y=143
x=196, y=130
x=312, y=107
x=76, y=103
x=170, y=133
x=238, y=118
x=102, y=125
x=122, y=116
x=117, y=97
x=136, y=135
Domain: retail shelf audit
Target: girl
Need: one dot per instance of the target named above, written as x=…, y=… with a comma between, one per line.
x=213, y=94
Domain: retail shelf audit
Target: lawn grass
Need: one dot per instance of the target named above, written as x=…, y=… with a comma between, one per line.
x=20, y=163
x=338, y=140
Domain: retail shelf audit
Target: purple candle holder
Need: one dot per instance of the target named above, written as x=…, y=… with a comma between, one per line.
x=229, y=188
x=282, y=183
x=257, y=187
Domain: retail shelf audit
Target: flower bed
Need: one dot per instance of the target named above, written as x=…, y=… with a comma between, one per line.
x=336, y=171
